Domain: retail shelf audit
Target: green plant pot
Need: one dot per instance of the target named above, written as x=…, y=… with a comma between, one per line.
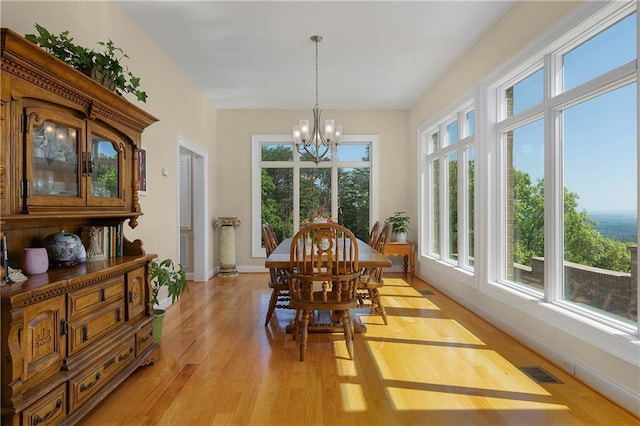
x=157, y=324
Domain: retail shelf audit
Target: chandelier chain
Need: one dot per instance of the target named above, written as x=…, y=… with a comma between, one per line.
x=317, y=41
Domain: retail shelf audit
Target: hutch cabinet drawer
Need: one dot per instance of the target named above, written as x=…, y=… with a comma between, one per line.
x=136, y=284
x=144, y=338
x=94, y=326
x=87, y=383
x=50, y=410
x=86, y=300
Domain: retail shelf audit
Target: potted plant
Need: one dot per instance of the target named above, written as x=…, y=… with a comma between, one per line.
x=105, y=67
x=165, y=274
x=399, y=225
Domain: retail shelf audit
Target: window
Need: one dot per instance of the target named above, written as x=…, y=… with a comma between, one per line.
x=290, y=186
x=448, y=188
x=568, y=172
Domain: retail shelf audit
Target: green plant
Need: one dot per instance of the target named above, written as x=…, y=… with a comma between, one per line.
x=166, y=274
x=105, y=67
x=399, y=222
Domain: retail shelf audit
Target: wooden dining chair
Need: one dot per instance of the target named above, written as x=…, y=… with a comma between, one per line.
x=373, y=234
x=371, y=280
x=323, y=273
x=277, y=276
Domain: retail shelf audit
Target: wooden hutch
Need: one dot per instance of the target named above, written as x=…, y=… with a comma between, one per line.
x=68, y=160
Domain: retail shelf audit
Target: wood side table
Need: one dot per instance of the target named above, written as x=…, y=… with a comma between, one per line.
x=406, y=249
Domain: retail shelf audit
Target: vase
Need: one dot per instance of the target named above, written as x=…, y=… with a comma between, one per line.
x=64, y=248
x=35, y=261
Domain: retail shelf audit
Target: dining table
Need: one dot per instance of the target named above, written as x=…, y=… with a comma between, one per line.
x=368, y=258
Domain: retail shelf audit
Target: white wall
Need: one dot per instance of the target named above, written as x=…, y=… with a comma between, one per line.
x=235, y=128
x=601, y=358
x=173, y=99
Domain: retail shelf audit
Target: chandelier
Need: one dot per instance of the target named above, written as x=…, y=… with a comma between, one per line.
x=318, y=143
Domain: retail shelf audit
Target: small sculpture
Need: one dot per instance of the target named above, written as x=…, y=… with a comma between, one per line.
x=95, y=245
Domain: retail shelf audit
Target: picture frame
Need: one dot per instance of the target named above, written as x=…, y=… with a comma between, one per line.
x=142, y=171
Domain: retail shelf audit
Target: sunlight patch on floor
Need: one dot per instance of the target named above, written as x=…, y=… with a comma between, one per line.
x=353, y=399
x=414, y=399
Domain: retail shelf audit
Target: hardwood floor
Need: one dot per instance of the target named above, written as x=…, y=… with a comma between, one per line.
x=434, y=363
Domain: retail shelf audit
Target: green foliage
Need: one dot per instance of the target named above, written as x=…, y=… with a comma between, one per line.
x=399, y=222
x=105, y=67
x=583, y=243
x=166, y=274
x=108, y=176
x=353, y=200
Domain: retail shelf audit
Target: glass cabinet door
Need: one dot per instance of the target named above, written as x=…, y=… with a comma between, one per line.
x=106, y=167
x=53, y=158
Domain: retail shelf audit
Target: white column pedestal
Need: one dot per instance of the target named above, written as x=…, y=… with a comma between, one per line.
x=227, y=227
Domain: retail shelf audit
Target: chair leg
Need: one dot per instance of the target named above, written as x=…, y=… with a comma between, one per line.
x=347, y=325
x=296, y=324
x=272, y=306
x=304, y=333
x=375, y=300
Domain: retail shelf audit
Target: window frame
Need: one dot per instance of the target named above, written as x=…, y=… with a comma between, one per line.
x=257, y=249
x=554, y=102
x=460, y=146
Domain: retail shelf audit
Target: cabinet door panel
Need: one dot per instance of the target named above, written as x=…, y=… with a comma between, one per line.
x=136, y=287
x=53, y=143
x=43, y=346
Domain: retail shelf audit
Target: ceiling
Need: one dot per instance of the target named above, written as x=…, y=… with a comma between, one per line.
x=258, y=54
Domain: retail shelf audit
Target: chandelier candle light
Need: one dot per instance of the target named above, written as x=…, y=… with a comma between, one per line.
x=318, y=143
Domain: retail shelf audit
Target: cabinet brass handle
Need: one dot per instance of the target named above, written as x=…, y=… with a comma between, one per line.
x=130, y=296
x=85, y=333
x=122, y=357
x=84, y=387
x=37, y=419
x=118, y=315
x=103, y=296
x=144, y=339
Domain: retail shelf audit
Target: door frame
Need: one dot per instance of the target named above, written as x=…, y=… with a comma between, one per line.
x=199, y=205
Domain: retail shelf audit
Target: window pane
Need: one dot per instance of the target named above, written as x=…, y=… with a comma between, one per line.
x=276, y=152
x=435, y=142
x=306, y=156
x=600, y=204
x=452, y=132
x=352, y=152
x=106, y=170
x=470, y=118
x=353, y=200
x=315, y=191
x=609, y=49
x=470, y=204
x=452, y=181
x=277, y=201
x=524, y=263
x=526, y=93
x=55, y=161
x=435, y=206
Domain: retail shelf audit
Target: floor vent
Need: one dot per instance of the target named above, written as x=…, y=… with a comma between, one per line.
x=539, y=374
x=426, y=292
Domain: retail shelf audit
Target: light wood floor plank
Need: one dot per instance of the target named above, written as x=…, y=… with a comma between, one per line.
x=434, y=363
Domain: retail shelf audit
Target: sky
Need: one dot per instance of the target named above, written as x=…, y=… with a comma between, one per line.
x=599, y=135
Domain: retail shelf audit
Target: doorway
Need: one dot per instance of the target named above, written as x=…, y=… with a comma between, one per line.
x=193, y=202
